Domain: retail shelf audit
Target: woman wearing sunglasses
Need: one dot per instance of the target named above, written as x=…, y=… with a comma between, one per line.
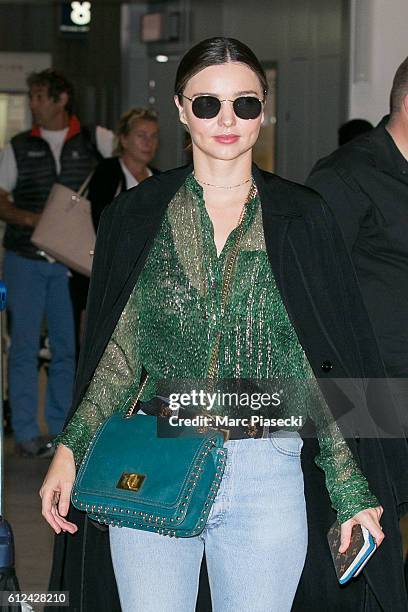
x=157, y=303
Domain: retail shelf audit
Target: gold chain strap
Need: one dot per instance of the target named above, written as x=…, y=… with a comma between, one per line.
x=133, y=405
x=225, y=293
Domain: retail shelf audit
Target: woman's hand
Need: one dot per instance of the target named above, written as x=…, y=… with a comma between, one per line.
x=370, y=519
x=56, y=490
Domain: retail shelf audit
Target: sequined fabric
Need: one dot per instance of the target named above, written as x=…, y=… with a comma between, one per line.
x=171, y=321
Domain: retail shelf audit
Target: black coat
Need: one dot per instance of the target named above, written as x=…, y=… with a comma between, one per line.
x=319, y=289
x=365, y=183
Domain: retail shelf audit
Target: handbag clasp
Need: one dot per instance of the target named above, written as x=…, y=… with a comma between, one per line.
x=131, y=482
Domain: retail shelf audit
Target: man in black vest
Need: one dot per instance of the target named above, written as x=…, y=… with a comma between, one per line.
x=56, y=149
x=365, y=183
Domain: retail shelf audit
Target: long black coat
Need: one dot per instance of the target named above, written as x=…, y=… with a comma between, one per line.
x=319, y=289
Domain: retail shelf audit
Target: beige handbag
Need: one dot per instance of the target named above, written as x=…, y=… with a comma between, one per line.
x=65, y=230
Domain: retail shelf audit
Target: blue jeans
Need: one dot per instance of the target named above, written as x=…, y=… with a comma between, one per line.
x=37, y=288
x=255, y=540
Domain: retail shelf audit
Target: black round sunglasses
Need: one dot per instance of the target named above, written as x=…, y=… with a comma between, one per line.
x=208, y=107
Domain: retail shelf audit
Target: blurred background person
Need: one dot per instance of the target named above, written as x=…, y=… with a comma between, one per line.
x=56, y=149
x=365, y=183
x=137, y=139
x=352, y=129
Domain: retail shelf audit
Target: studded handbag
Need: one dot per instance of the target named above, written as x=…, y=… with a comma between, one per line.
x=165, y=485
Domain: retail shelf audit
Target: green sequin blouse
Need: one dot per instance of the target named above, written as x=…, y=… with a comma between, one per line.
x=170, y=324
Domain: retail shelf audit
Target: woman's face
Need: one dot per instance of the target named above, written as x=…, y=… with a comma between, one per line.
x=142, y=140
x=226, y=136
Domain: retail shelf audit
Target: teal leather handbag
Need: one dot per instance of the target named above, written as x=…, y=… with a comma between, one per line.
x=132, y=478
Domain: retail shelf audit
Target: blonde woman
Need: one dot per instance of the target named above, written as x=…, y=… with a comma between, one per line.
x=137, y=139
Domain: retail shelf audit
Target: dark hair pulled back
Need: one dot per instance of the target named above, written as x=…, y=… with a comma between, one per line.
x=213, y=51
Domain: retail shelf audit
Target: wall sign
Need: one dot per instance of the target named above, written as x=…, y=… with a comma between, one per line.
x=152, y=27
x=160, y=27
x=75, y=17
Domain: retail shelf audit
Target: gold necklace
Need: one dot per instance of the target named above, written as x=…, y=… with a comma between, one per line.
x=222, y=186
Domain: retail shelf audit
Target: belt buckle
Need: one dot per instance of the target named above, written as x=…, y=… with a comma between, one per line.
x=226, y=433
x=165, y=410
x=251, y=431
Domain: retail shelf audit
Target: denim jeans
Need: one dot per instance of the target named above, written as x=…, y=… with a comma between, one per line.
x=36, y=289
x=255, y=540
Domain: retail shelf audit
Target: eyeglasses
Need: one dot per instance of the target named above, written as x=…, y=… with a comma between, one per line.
x=208, y=107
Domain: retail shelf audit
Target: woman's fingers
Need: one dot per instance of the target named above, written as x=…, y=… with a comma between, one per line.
x=370, y=519
x=346, y=529
x=61, y=508
x=56, y=490
x=62, y=522
x=47, y=496
x=64, y=500
x=55, y=506
x=371, y=522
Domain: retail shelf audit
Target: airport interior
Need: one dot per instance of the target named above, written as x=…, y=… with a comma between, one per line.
x=326, y=62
